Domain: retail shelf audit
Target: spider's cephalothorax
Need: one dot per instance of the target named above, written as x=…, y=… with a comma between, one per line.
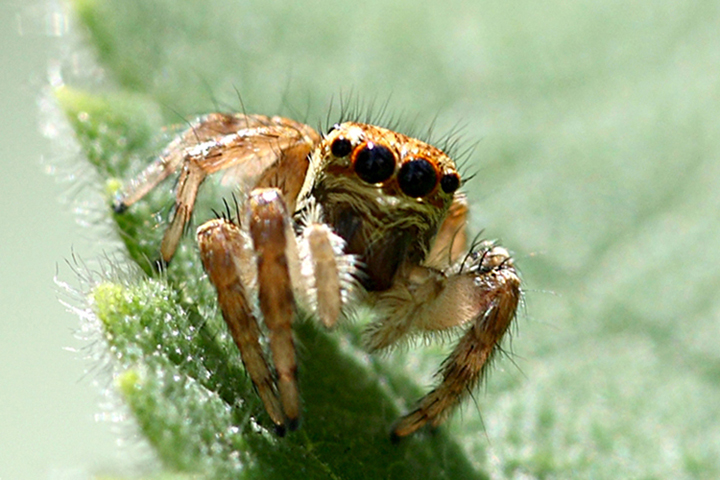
x=361, y=207
x=384, y=193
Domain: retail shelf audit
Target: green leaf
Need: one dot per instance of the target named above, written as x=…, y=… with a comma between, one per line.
x=183, y=380
x=598, y=167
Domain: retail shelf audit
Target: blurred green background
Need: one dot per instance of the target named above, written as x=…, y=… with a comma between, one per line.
x=598, y=164
x=47, y=402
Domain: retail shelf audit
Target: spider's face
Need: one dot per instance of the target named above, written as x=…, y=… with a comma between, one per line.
x=385, y=193
x=392, y=167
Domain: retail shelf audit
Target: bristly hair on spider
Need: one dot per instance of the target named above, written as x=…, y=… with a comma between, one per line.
x=352, y=107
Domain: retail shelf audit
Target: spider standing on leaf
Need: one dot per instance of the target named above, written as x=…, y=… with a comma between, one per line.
x=360, y=214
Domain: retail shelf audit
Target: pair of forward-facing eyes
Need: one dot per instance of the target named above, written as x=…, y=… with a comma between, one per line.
x=375, y=163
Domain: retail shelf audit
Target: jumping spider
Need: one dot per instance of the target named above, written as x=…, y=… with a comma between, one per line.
x=360, y=208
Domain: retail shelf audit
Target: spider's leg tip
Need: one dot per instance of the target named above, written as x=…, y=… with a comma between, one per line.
x=280, y=430
x=119, y=206
x=293, y=424
x=395, y=438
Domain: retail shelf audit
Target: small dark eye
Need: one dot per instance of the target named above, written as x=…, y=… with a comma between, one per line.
x=450, y=182
x=417, y=178
x=341, y=147
x=374, y=163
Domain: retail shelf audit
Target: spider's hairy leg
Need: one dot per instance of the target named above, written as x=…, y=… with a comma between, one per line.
x=490, y=288
x=272, y=156
x=328, y=273
x=324, y=266
x=269, y=227
x=226, y=255
x=188, y=184
x=451, y=240
x=253, y=150
x=482, y=291
x=211, y=126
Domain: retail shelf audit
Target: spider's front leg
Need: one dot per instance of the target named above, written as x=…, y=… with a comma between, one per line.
x=482, y=291
x=263, y=259
x=251, y=150
x=253, y=256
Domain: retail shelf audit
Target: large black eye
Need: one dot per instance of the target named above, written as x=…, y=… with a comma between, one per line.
x=374, y=163
x=341, y=147
x=417, y=178
x=450, y=182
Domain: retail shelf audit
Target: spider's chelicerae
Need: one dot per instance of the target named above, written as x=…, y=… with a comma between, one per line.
x=360, y=214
